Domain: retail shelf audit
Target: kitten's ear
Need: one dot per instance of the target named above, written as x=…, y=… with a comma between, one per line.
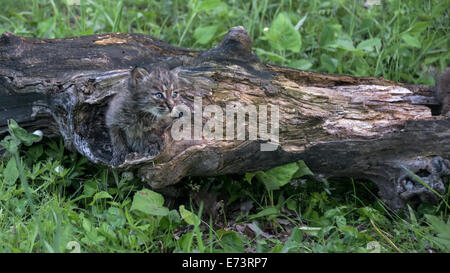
x=138, y=73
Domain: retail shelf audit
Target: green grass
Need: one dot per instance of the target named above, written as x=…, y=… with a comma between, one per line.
x=50, y=197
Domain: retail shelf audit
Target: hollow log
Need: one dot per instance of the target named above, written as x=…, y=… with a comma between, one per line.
x=340, y=125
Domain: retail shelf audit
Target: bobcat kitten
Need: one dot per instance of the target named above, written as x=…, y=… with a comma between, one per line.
x=138, y=117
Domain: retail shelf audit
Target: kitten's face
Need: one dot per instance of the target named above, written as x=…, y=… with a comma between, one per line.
x=156, y=92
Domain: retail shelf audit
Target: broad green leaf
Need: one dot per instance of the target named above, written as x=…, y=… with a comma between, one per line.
x=21, y=134
x=265, y=212
x=440, y=227
x=340, y=221
x=277, y=248
x=336, y=211
x=249, y=176
x=374, y=214
x=349, y=231
x=10, y=144
x=277, y=177
x=419, y=27
x=172, y=219
x=293, y=241
x=149, y=202
x=443, y=232
x=292, y=204
x=203, y=35
x=329, y=34
x=115, y=217
x=343, y=43
x=91, y=233
x=174, y=216
x=269, y=181
x=230, y=241
x=11, y=173
x=157, y=211
x=188, y=216
x=369, y=45
x=86, y=224
x=283, y=174
x=302, y=170
x=302, y=64
x=186, y=240
x=101, y=195
x=328, y=63
x=271, y=55
x=410, y=40
x=207, y=5
x=89, y=188
x=149, y=196
x=282, y=34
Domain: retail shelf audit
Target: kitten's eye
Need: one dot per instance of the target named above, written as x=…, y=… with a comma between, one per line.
x=159, y=95
x=175, y=94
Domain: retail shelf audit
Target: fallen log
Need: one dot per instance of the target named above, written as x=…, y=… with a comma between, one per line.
x=340, y=125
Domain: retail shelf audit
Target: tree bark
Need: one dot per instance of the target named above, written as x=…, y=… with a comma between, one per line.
x=340, y=125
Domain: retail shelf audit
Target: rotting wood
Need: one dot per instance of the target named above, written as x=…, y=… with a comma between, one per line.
x=340, y=125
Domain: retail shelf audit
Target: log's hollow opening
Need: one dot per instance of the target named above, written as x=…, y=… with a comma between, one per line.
x=90, y=120
x=436, y=110
x=422, y=173
x=93, y=134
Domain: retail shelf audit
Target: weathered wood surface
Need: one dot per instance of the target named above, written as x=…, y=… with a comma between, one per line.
x=341, y=126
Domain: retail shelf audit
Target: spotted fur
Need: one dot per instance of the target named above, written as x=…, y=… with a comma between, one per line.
x=137, y=117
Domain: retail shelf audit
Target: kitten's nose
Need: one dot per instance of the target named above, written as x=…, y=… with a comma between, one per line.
x=170, y=106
